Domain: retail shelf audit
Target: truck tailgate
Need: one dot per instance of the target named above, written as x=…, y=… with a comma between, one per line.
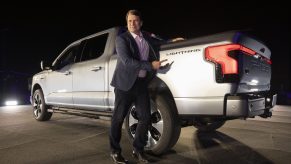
x=254, y=69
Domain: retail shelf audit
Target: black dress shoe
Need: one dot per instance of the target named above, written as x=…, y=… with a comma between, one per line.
x=118, y=158
x=140, y=156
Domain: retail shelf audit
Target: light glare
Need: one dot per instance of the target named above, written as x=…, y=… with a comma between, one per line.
x=11, y=103
x=255, y=81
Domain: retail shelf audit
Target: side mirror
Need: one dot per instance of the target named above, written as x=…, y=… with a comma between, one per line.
x=44, y=65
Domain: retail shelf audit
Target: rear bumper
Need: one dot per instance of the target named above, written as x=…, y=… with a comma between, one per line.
x=228, y=106
x=249, y=105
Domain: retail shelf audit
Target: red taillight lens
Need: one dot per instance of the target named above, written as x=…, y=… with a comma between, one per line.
x=219, y=55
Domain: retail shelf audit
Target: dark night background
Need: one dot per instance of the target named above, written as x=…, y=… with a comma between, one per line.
x=31, y=32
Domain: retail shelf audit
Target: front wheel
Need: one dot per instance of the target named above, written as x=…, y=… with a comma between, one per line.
x=164, y=130
x=40, y=112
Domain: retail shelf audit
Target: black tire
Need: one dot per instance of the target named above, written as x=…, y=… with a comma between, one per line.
x=40, y=109
x=207, y=125
x=165, y=127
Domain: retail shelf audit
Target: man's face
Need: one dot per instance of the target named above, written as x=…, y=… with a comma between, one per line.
x=134, y=23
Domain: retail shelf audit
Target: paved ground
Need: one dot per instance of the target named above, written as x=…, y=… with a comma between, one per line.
x=72, y=139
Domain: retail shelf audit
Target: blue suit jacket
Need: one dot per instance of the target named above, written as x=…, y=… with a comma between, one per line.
x=129, y=63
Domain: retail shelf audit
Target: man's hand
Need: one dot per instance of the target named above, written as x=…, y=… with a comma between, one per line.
x=157, y=64
x=177, y=39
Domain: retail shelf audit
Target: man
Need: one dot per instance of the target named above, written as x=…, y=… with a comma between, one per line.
x=137, y=62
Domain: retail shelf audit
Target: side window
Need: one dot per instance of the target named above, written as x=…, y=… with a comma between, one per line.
x=69, y=57
x=94, y=47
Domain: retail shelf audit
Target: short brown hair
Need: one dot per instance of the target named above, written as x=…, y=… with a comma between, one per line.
x=133, y=12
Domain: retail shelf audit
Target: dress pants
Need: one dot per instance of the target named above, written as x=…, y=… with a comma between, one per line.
x=138, y=95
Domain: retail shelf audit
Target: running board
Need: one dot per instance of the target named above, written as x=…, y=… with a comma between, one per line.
x=78, y=112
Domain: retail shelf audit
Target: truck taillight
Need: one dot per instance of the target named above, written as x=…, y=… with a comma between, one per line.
x=219, y=55
x=226, y=65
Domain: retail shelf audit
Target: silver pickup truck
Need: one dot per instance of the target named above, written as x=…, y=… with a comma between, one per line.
x=207, y=81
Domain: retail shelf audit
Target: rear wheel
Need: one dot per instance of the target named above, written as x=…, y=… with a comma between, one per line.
x=40, y=112
x=164, y=130
x=208, y=124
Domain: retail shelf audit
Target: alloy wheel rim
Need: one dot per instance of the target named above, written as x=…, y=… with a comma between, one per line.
x=37, y=105
x=156, y=128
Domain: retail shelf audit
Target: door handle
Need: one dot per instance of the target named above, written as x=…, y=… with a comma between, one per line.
x=67, y=72
x=96, y=68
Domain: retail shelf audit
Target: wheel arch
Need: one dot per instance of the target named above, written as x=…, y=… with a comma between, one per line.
x=35, y=87
x=158, y=87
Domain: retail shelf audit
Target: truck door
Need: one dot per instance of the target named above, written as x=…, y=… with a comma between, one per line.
x=89, y=74
x=59, y=80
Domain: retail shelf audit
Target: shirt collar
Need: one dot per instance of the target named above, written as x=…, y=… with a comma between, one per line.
x=134, y=35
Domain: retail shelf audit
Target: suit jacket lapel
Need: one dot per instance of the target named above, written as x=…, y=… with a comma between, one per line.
x=134, y=45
